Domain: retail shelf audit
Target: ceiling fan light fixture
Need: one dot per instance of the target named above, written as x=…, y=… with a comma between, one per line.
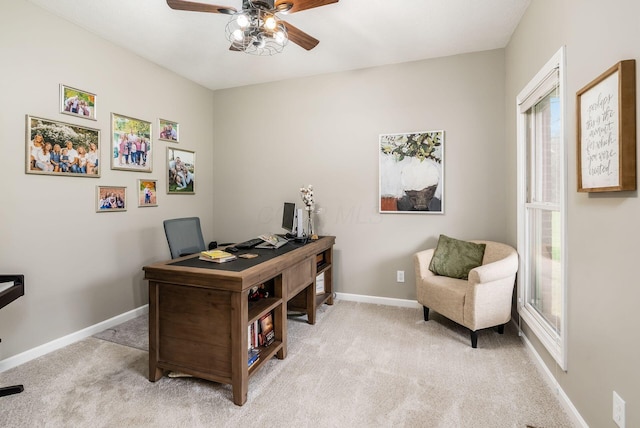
x=256, y=32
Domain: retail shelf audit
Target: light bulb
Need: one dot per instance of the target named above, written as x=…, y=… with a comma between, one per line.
x=238, y=35
x=270, y=23
x=242, y=21
x=279, y=36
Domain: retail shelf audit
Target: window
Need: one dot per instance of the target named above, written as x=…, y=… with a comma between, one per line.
x=541, y=207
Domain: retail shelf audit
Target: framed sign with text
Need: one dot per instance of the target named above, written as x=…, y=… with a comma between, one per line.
x=606, y=131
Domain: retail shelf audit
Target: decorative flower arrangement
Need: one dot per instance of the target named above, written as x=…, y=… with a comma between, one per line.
x=306, y=193
x=307, y=197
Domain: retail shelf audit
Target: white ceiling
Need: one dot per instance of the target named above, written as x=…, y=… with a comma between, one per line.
x=353, y=34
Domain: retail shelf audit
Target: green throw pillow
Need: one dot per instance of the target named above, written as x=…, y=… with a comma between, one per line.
x=455, y=258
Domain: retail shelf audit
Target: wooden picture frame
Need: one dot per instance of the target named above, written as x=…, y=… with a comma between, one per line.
x=76, y=102
x=59, y=148
x=411, y=169
x=128, y=133
x=606, y=131
x=181, y=171
x=111, y=198
x=147, y=193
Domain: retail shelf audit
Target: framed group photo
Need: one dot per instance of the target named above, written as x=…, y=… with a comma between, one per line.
x=111, y=198
x=181, y=170
x=411, y=172
x=131, y=148
x=169, y=131
x=77, y=102
x=147, y=193
x=59, y=148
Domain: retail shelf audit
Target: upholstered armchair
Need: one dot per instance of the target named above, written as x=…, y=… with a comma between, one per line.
x=482, y=300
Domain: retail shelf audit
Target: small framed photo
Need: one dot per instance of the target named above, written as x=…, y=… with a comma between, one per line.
x=77, y=102
x=169, y=131
x=181, y=170
x=111, y=198
x=131, y=148
x=58, y=148
x=147, y=193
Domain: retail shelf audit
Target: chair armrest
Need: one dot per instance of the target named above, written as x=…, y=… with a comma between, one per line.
x=422, y=259
x=497, y=270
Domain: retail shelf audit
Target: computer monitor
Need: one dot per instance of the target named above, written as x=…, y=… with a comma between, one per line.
x=289, y=217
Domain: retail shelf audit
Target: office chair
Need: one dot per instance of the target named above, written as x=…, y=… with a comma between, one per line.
x=7, y=296
x=184, y=236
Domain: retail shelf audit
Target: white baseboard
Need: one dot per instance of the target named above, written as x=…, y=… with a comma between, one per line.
x=388, y=301
x=41, y=350
x=571, y=410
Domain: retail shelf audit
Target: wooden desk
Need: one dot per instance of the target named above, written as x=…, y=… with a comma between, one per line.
x=199, y=311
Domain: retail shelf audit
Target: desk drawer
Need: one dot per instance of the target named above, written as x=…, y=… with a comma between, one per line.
x=299, y=276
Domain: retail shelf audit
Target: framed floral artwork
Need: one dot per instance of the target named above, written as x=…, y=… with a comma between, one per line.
x=411, y=172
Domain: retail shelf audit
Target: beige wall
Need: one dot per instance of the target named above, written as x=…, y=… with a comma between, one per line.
x=603, y=350
x=83, y=267
x=271, y=139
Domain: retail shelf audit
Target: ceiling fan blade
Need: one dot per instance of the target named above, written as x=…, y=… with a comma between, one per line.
x=299, y=37
x=299, y=5
x=236, y=47
x=200, y=7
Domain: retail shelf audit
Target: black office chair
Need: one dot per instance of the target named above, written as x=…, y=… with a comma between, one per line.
x=7, y=296
x=184, y=236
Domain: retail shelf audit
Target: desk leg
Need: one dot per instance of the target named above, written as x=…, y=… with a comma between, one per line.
x=239, y=343
x=310, y=295
x=154, y=334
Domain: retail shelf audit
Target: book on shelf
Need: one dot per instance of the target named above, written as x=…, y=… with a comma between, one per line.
x=267, y=335
x=217, y=256
x=253, y=356
x=320, y=283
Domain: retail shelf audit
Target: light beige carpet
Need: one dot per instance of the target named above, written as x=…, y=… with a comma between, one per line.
x=361, y=365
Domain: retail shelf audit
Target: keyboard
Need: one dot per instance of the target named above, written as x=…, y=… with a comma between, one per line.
x=248, y=244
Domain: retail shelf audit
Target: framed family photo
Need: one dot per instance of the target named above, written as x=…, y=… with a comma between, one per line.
x=59, y=148
x=131, y=148
x=411, y=172
x=111, y=198
x=181, y=169
x=77, y=102
x=169, y=131
x=147, y=193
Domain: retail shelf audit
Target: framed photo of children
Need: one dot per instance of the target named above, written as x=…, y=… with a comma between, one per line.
x=77, y=102
x=58, y=148
x=147, y=195
x=131, y=148
x=111, y=198
x=169, y=131
x=181, y=171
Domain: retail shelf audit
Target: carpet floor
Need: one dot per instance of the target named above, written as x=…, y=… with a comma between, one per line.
x=361, y=365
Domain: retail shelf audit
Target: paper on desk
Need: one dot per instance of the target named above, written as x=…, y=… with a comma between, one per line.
x=5, y=286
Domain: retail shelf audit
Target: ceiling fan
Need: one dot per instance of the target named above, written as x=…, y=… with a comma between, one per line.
x=256, y=29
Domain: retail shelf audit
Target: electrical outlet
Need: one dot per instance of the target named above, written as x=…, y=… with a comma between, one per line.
x=618, y=410
x=400, y=276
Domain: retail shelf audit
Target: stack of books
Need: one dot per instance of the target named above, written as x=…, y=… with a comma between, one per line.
x=217, y=256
